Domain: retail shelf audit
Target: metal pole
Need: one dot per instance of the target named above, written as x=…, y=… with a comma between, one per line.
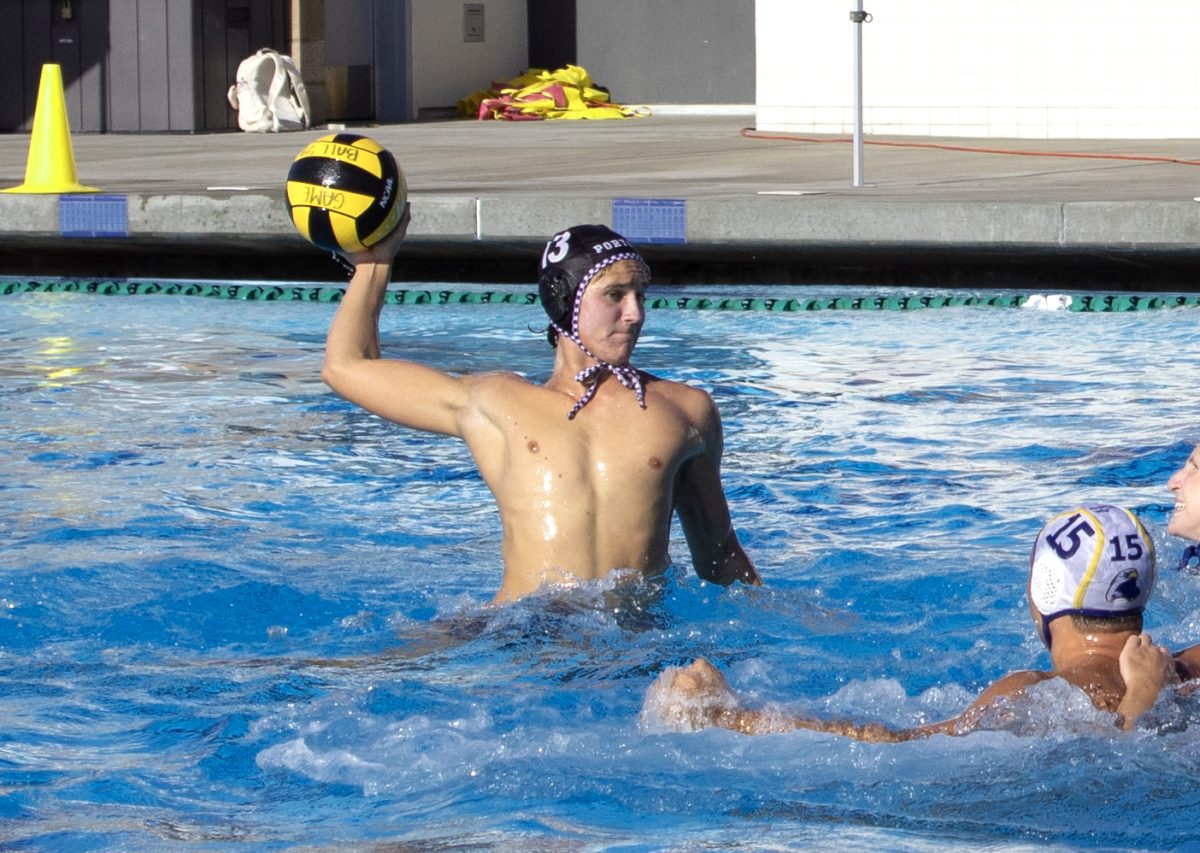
x=858, y=17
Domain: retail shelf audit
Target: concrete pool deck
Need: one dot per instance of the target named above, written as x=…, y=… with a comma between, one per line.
x=730, y=203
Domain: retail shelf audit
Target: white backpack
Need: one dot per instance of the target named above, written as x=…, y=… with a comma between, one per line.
x=269, y=94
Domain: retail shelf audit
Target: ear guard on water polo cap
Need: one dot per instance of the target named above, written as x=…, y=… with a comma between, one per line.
x=1092, y=561
x=574, y=257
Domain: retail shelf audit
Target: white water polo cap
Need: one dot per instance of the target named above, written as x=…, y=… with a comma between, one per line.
x=1092, y=561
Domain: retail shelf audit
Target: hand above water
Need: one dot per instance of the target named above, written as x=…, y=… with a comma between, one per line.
x=1146, y=669
x=385, y=250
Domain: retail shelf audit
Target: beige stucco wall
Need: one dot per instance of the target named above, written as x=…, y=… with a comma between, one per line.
x=445, y=68
x=308, y=50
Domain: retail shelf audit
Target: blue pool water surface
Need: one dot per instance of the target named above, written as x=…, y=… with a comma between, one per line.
x=238, y=613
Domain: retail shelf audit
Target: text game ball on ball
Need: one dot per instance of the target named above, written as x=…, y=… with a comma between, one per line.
x=345, y=192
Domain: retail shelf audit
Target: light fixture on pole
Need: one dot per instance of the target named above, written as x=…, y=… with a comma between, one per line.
x=858, y=17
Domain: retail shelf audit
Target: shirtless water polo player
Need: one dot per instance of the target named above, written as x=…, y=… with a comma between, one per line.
x=587, y=468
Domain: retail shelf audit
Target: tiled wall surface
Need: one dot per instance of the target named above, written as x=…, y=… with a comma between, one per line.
x=1005, y=68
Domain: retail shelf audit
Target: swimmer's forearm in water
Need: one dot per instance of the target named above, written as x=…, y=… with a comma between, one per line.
x=703, y=511
x=731, y=564
x=699, y=696
x=757, y=722
x=752, y=721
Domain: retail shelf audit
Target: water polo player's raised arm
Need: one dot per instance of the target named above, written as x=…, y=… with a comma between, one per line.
x=402, y=391
x=701, y=506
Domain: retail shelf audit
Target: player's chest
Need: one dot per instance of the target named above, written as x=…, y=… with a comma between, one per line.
x=640, y=446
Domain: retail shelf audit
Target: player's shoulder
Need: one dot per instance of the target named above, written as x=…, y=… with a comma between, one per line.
x=500, y=388
x=1187, y=662
x=1013, y=684
x=502, y=379
x=691, y=398
x=672, y=386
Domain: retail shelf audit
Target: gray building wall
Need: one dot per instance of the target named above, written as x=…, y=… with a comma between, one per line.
x=35, y=32
x=133, y=65
x=669, y=51
x=146, y=91
x=164, y=65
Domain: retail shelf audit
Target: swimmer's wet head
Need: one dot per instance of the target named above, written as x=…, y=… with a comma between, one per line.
x=1095, y=564
x=572, y=259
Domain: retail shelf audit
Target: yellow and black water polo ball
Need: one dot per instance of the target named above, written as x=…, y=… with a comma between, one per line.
x=345, y=192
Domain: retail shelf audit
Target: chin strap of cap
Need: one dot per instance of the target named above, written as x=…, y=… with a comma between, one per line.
x=591, y=375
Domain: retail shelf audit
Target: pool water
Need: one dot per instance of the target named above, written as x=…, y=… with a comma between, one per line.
x=236, y=612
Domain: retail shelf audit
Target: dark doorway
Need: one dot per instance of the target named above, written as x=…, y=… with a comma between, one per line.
x=551, y=33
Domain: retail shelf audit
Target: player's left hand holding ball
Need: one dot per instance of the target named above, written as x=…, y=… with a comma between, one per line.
x=385, y=250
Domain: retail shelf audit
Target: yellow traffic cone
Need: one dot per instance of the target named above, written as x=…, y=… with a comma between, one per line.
x=51, y=164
